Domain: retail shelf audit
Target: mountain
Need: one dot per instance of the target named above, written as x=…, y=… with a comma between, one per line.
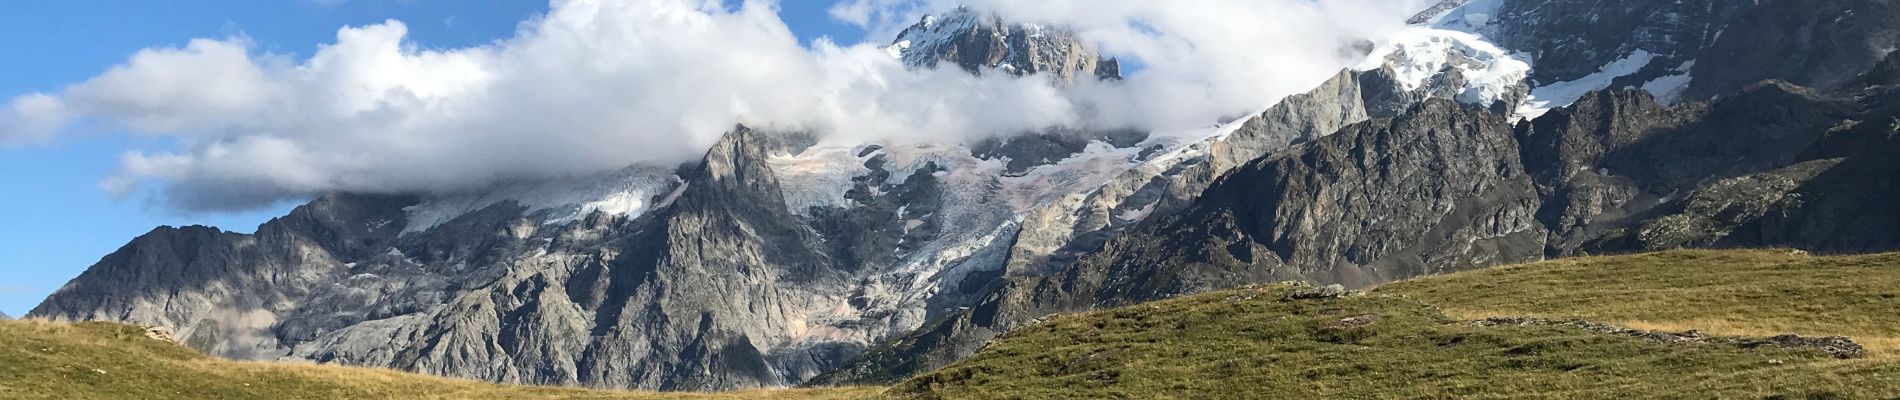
x=767, y=263
x=978, y=41
x=761, y=265
x=1494, y=132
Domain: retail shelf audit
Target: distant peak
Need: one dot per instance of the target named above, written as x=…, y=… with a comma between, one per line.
x=978, y=41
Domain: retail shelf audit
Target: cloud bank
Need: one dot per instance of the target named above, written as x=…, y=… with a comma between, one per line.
x=601, y=84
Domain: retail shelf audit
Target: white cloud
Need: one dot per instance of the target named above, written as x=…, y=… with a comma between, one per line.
x=598, y=84
x=32, y=119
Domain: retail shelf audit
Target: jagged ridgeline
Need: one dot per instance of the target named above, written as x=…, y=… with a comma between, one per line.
x=777, y=260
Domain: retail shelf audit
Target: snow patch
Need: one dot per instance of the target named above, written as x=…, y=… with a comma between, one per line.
x=1668, y=89
x=929, y=33
x=1560, y=94
x=1419, y=55
x=818, y=177
x=896, y=50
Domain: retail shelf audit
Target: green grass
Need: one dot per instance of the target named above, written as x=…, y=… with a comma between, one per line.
x=40, y=360
x=1397, y=342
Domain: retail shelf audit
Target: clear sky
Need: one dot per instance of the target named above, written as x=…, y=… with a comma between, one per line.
x=59, y=220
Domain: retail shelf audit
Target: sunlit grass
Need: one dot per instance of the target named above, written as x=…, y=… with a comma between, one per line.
x=42, y=360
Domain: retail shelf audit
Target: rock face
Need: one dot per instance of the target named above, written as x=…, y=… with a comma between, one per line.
x=1714, y=46
x=1569, y=39
x=633, y=309
x=1821, y=44
x=224, y=293
x=1614, y=157
x=976, y=41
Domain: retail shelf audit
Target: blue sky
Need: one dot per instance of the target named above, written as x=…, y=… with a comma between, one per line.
x=61, y=221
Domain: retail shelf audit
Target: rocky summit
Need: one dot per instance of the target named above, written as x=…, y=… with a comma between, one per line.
x=978, y=41
x=1490, y=132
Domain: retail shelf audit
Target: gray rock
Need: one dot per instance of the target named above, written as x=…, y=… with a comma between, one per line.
x=710, y=292
x=1838, y=346
x=975, y=41
x=223, y=292
x=1823, y=44
x=1569, y=39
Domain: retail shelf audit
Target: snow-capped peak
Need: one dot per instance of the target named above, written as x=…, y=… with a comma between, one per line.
x=930, y=32
x=969, y=39
x=1419, y=55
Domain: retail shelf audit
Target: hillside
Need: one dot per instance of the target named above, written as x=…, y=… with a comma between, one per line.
x=1436, y=337
x=1741, y=293
x=96, y=360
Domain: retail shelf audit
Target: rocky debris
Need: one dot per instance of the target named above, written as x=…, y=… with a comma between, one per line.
x=1713, y=212
x=1327, y=292
x=160, y=333
x=1837, y=346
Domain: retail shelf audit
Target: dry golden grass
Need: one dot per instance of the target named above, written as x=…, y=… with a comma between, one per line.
x=1735, y=293
x=42, y=360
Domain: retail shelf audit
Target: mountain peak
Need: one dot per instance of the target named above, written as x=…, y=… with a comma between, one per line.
x=739, y=157
x=976, y=41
